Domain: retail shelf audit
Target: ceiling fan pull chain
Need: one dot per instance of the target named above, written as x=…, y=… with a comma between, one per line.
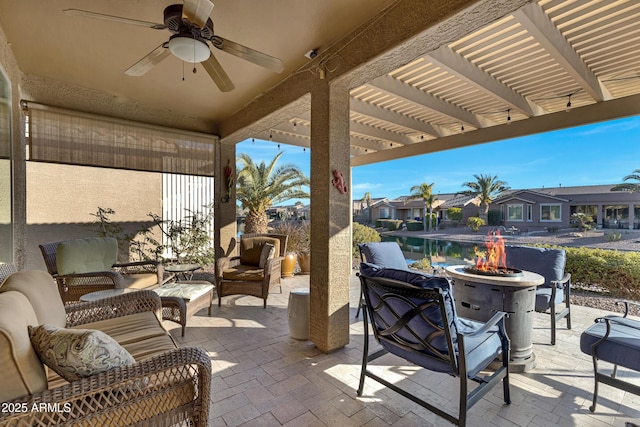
x=182, y=70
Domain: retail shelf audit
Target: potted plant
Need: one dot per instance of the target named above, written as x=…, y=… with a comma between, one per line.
x=297, y=243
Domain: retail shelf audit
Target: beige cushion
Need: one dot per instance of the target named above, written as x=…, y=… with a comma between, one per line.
x=251, y=248
x=42, y=292
x=86, y=255
x=22, y=371
x=77, y=353
x=244, y=272
x=268, y=251
x=141, y=280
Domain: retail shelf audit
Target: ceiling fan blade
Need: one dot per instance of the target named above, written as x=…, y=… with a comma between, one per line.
x=152, y=59
x=120, y=19
x=217, y=74
x=251, y=55
x=197, y=11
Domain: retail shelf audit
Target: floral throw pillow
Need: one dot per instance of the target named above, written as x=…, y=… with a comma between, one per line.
x=77, y=353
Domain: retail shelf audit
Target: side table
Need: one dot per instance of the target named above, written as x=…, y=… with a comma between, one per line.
x=184, y=270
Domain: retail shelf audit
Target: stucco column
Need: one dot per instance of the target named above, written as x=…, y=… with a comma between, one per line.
x=331, y=217
x=631, y=216
x=225, y=203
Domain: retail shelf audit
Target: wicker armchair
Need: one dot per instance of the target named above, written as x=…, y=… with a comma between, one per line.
x=6, y=269
x=144, y=274
x=166, y=386
x=242, y=275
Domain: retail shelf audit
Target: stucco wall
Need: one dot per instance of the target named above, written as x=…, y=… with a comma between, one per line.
x=61, y=199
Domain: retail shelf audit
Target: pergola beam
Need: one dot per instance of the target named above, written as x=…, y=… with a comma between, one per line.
x=413, y=94
x=368, y=109
x=592, y=113
x=449, y=60
x=535, y=21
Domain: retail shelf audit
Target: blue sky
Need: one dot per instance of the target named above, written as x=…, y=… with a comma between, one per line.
x=601, y=153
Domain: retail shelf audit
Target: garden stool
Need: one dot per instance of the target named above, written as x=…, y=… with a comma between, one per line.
x=298, y=313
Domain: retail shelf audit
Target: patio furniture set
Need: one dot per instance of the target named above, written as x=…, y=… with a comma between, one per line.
x=477, y=327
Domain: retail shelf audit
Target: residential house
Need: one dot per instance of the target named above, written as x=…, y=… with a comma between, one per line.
x=553, y=207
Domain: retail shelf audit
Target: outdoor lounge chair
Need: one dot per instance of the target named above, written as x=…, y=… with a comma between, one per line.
x=555, y=291
x=81, y=266
x=616, y=340
x=244, y=274
x=382, y=254
x=413, y=317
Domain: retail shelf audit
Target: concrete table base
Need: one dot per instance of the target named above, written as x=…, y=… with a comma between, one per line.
x=478, y=297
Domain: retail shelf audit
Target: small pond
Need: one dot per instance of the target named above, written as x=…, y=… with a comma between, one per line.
x=441, y=253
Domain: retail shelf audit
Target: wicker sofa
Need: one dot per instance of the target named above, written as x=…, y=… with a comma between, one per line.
x=163, y=386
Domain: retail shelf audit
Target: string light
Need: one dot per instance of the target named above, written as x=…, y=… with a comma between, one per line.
x=253, y=140
x=278, y=146
x=508, y=116
x=461, y=128
x=270, y=135
x=569, y=103
x=295, y=125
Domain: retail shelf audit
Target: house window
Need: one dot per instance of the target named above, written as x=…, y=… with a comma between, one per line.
x=514, y=213
x=551, y=213
x=529, y=213
x=384, y=213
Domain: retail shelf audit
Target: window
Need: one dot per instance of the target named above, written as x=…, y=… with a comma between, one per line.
x=384, y=213
x=529, y=213
x=514, y=213
x=551, y=213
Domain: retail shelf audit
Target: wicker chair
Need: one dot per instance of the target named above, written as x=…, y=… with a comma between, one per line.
x=242, y=275
x=6, y=269
x=120, y=275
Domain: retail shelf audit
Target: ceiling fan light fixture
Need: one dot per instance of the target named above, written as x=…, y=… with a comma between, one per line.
x=189, y=49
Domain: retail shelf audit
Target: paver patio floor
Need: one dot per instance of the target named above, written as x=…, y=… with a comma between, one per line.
x=263, y=377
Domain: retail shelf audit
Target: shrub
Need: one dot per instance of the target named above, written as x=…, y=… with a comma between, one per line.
x=390, y=224
x=454, y=214
x=616, y=271
x=613, y=236
x=422, y=264
x=299, y=233
x=494, y=218
x=362, y=234
x=474, y=223
x=582, y=221
x=413, y=225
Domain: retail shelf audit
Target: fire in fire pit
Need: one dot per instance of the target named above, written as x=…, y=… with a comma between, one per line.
x=494, y=261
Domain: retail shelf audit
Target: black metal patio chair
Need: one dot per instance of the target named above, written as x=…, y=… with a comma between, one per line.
x=415, y=320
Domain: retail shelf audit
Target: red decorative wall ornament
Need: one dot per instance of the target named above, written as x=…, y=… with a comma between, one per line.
x=228, y=176
x=338, y=182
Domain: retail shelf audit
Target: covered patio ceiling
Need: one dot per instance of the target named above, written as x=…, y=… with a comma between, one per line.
x=459, y=79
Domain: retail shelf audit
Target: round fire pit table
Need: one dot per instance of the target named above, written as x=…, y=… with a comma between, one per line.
x=478, y=297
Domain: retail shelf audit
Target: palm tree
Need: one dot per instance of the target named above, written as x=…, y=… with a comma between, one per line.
x=629, y=186
x=486, y=187
x=260, y=186
x=425, y=191
x=367, y=199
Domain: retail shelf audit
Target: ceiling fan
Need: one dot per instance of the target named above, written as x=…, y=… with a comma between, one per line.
x=191, y=28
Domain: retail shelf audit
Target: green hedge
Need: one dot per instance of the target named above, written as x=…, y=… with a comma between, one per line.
x=413, y=225
x=362, y=234
x=392, y=224
x=616, y=271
